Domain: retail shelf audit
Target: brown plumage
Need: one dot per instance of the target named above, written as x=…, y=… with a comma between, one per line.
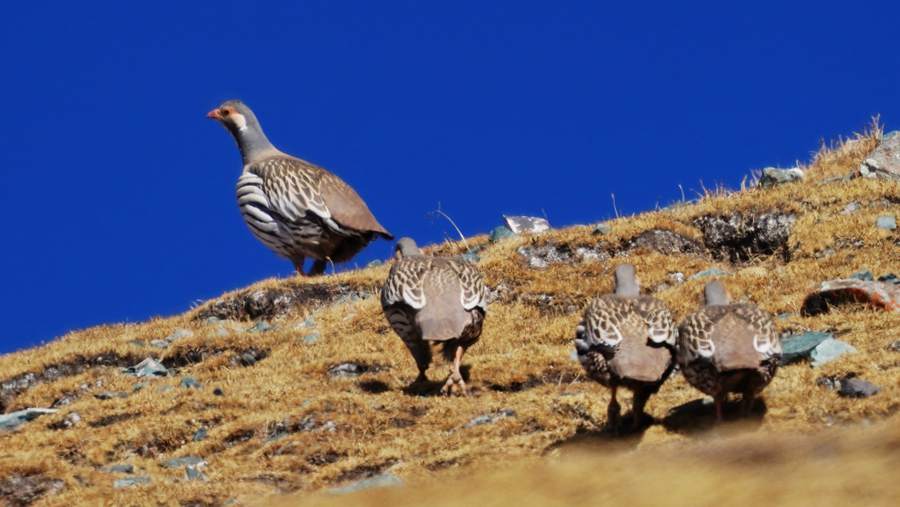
x=627, y=340
x=726, y=347
x=434, y=301
x=296, y=208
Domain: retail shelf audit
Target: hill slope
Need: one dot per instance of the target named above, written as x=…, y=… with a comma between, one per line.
x=297, y=385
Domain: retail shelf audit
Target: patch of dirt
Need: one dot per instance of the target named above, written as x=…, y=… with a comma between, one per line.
x=364, y=471
x=21, y=489
x=664, y=241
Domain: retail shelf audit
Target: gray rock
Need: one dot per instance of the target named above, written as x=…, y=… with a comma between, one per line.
x=664, y=241
x=541, y=256
x=212, y=320
x=260, y=327
x=147, y=368
x=222, y=331
x=708, y=272
x=677, y=277
x=311, y=338
x=347, y=370
x=379, y=481
x=523, y=224
x=164, y=389
x=884, y=162
x=200, y=435
x=500, y=233
x=490, y=418
x=137, y=387
x=894, y=346
x=109, y=395
x=195, y=473
x=183, y=462
x=886, y=222
x=190, y=383
x=125, y=468
x=739, y=237
x=889, y=278
x=591, y=254
x=375, y=263
x=602, y=229
x=471, y=257
x=800, y=346
x=851, y=208
x=13, y=420
x=772, y=176
x=829, y=350
x=70, y=421
x=128, y=482
x=159, y=344
x=179, y=334
x=856, y=387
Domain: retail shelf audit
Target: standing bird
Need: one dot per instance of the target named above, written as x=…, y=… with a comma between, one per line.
x=627, y=340
x=434, y=300
x=295, y=208
x=725, y=348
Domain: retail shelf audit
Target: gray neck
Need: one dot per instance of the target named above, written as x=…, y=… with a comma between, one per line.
x=714, y=294
x=626, y=283
x=252, y=141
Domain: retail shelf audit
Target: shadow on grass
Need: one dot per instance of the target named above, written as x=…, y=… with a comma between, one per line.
x=699, y=416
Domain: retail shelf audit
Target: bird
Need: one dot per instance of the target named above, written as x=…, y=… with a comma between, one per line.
x=627, y=340
x=434, y=301
x=292, y=206
x=728, y=347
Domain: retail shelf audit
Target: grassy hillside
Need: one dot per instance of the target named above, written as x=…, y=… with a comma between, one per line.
x=319, y=400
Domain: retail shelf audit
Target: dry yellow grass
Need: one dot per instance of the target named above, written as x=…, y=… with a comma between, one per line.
x=363, y=425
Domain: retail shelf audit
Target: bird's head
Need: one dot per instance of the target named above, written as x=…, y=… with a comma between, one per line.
x=234, y=115
x=406, y=247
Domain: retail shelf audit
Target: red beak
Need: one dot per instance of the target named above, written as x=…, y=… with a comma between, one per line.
x=214, y=114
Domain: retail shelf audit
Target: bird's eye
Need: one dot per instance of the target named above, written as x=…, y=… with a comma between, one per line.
x=225, y=112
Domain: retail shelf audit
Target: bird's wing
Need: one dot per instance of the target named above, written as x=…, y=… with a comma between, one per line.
x=473, y=291
x=603, y=321
x=658, y=318
x=760, y=325
x=405, y=283
x=295, y=187
x=695, y=335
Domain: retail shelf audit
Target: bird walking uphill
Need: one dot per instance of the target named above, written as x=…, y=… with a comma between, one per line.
x=627, y=340
x=434, y=301
x=295, y=208
x=725, y=348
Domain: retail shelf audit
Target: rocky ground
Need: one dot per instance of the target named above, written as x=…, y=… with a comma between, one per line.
x=298, y=387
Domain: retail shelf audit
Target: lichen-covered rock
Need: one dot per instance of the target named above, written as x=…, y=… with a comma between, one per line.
x=664, y=241
x=13, y=420
x=739, y=237
x=267, y=303
x=881, y=295
x=772, y=176
x=25, y=489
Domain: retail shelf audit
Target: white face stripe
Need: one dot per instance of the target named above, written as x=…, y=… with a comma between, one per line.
x=239, y=121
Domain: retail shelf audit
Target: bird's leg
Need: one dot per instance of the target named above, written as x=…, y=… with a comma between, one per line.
x=455, y=379
x=747, y=399
x=317, y=268
x=298, y=265
x=637, y=407
x=612, y=411
x=720, y=403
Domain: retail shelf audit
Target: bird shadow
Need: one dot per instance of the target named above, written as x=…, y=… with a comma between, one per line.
x=374, y=386
x=433, y=387
x=609, y=438
x=699, y=416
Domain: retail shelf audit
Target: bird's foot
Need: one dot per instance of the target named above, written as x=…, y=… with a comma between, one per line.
x=455, y=383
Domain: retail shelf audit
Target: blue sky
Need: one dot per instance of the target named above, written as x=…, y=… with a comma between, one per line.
x=117, y=194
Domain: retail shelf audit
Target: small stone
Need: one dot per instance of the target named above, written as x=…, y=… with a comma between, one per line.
x=183, y=462
x=218, y=392
x=311, y=338
x=799, y=346
x=676, y=277
x=195, y=473
x=137, y=387
x=163, y=389
x=829, y=350
x=260, y=327
x=786, y=315
x=772, y=176
x=147, y=368
x=500, y=233
x=708, y=272
x=894, y=346
x=212, y=320
x=471, y=257
x=222, y=331
x=375, y=263
x=886, y=222
x=347, y=370
x=864, y=275
x=109, y=395
x=379, y=481
x=851, y=208
x=247, y=359
x=200, y=435
x=159, y=344
x=490, y=418
x=519, y=224
x=128, y=482
x=602, y=229
x=856, y=387
x=71, y=420
x=126, y=468
x=190, y=383
x=13, y=420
